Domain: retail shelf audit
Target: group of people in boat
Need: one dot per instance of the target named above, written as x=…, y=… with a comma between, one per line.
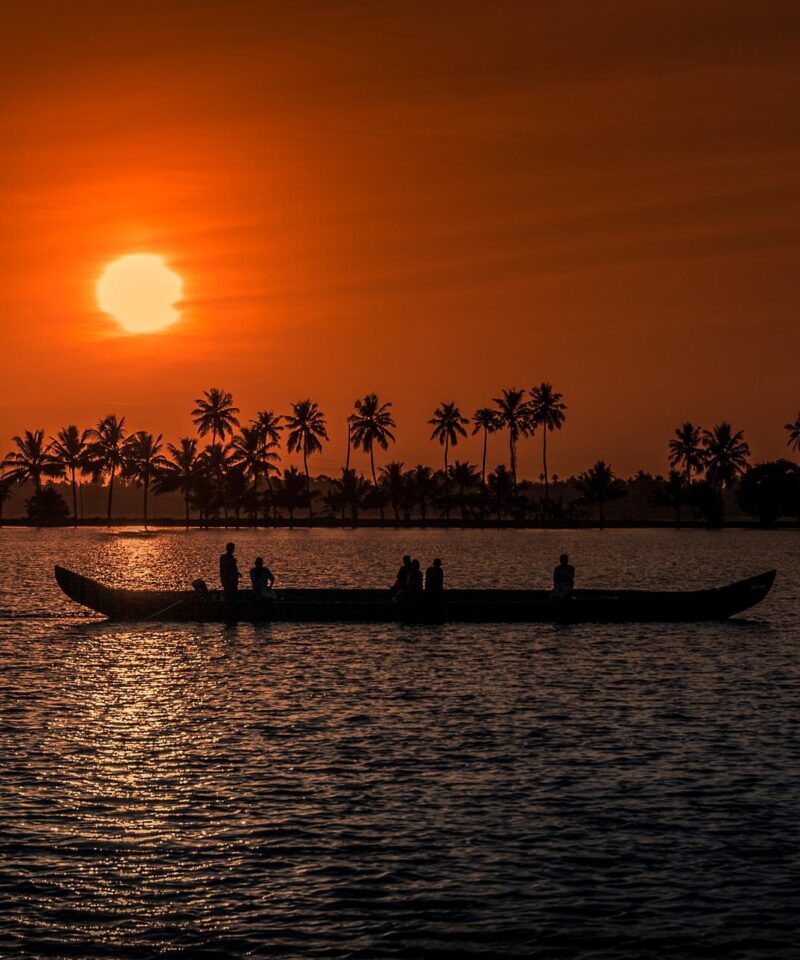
x=408, y=584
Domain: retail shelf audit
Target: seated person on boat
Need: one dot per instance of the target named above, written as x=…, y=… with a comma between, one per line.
x=401, y=581
x=263, y=580
x=434, y=580
x=563, y=579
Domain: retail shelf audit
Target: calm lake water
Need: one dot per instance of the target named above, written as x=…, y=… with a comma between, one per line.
x=395, y=791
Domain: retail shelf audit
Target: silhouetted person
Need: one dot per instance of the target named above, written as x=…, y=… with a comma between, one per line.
x=229, y=574
x=434, y=579
x=563, y=578
x=262, y=580
x=401, y=582
x=414, y=587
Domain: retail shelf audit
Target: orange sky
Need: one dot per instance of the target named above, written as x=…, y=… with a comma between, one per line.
x=427, y=200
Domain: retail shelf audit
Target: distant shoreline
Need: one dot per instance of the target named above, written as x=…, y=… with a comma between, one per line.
x=335, y=523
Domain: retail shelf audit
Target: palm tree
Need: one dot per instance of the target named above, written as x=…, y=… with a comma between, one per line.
x=271, y=426
x=794, y=434
x=180, y=473
x=306, y=425
x=674, y=492
x=5, y=493
x=291, y=491
x=143, y=461
x=423, y=484
x=393, y=481
x=215, y=414
x=686, y=451
x=371, y=424
x=599, y=485
x=465, y=476
x=350, y=489
x=514, y=415
x=105, y=451
x=250, y=452
x=547, y=412
x=448, y=426
x=725, y=454
x=70, y=450
x=484, y=419
x=31, y=460
x=501, y=486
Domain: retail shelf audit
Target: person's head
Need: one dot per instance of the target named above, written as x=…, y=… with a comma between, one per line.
x=415, y=564
x=437, y=562
x=230, y=547
x=564, y=559
x=259, y=561
x=406, y=561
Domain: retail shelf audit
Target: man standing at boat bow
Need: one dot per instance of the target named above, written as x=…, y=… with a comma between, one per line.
x=229, y=573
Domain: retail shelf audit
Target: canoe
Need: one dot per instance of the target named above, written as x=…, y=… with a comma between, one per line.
x=457, y=606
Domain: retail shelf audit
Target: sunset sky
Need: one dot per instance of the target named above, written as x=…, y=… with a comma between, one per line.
x=428, y=200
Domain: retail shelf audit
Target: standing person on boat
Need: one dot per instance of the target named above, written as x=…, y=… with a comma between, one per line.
x=434, y=579
x=262, y=580
x=229, y=573
x=401, y=581
x=563, y=579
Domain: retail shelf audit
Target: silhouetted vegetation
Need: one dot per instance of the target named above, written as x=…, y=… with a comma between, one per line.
x=238, y=473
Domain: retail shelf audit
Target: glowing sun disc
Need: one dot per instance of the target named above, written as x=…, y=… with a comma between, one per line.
x=139, y=291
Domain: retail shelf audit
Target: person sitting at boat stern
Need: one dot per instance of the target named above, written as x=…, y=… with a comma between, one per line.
x=229, y=573
x=401, y=581
x=563, y=579
x=434, y=580
x=262, y=580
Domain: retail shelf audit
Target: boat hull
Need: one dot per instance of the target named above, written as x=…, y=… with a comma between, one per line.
x=458, y=606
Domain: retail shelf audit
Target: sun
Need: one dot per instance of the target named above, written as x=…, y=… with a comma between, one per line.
x=139, y=290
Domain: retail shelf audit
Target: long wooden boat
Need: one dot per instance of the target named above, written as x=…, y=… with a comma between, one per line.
x=376, y=606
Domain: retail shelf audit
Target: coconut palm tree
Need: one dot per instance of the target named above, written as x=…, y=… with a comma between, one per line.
x=291, y=490
x=484, y=419
x=466, y=477
x=448, y=426
x=180, y=473
x=143, y=462
x=547, y=412
x=598, y=485
x=105, y=451
x=393, y=482
x=250, y=452
x=514, y=415
x=371, y=424
x=350, y=489
x=31, y=460
x=271, y=426
x=686, y=451
x=725, y=455
x=674, y=492
x=423, y=485
x=501, y=487
x=794, y=434
x=307, y=429
x=5, y=494
x=70, y=450
x=215, y=414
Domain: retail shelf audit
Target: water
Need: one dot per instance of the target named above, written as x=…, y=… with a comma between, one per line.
x=389, y=791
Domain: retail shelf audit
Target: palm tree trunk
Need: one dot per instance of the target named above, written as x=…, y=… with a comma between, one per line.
x=375, y=481
x=110, y=494
x=513, y=451
x=186, y=502
x=446, y=477
x=146, y=488
x=74, y=500
x=546, y=480
x=255, y=499
x=485, y=445
x=308, y=484
x=347, y=465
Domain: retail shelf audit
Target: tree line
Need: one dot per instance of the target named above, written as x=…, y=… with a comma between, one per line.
x=238, y=469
